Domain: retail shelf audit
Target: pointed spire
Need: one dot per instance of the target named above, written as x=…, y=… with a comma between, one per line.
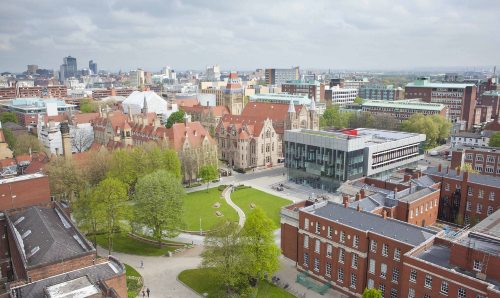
x=145, y=106
x=291, y=107
x=313, y=105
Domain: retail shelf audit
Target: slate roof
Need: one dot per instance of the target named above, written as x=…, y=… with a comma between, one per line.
x=366, y=221
x=46, y=235
x=474, y=178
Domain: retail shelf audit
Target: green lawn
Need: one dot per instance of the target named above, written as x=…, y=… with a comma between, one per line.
x=269, y=203
x=203, y=281
x=134, y=283
x=200, y=204
x=125, y=244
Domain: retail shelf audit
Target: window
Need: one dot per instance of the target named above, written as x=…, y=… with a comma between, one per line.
x=383, y=270
x=461, y=293
x=479, y=157
x=480, y=194
x=330, y=232
x=328, y=269
x=306, y=259
x=466, y=219
x=428, y=281
x=318, y=227
x=342, y=237
x=306, y=241
x=444, y=287
x=469, y=190
x=370, y=283
x=397, y=254
x=306, y=224
x=416, y=211
x=341, y=255
x=490, y=159
x=381, y=287
x=492, y=195
x=411, y=293
x=427, y=296
x=468, y=206
x=489, y=169
x=329, y=250
x=385, y=250
x=478, y=265
x=413, y=275
x=395, y=275
x=353, y=280
x=394, y=293
x=316, y=264
x=490, y=210
x=446, y=186
x=411, y=213
x=340, y=275
x=468, y=156
x=372, y=266
x=354, y=261
x=479, y=208
x=355, y=241
x=317, y=246
x=373, y=246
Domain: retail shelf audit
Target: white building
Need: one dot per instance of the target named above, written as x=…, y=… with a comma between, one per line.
x=135, y=102
x=340, y=96
x=467, y=138
x=82, y=136
x=213, y=73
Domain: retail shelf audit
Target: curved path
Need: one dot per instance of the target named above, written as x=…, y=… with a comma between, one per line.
x=227, y=196
x=160, y=273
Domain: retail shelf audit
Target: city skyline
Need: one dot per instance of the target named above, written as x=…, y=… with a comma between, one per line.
x=193, y=34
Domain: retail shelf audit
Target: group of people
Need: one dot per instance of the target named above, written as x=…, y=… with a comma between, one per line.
x=145, y=292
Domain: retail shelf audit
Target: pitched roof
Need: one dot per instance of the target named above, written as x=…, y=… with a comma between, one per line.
x=260, y=111
x=187, y=102
x=194, y=132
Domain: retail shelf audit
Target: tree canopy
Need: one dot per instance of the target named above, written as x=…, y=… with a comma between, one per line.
x=435, y=127
x=358, y=100
x=87, y=105
x=175, y=117
x=495, y=140
x=208, y=173
x=372, y=293
x=332, y=117
x=8, y=117
x=158, y=204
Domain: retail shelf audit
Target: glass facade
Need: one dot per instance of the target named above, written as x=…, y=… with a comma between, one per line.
x=320, y=167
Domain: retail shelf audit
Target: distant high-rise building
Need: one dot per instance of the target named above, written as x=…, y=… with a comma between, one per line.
x=32, y=68
x=277, y=76
x=213, y=73
x=68, y=68
x=93, y=67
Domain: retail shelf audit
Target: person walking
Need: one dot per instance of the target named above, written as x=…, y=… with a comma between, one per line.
x=143, y=293
x=148, y=291
x=142, y=264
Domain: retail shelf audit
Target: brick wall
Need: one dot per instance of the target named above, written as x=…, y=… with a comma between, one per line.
x=119, y=284
x=24, y=193
x=289, y=241
x=45, y=271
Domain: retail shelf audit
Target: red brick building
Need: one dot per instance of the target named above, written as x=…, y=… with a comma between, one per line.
x=460, y=99
x=313, y=89
x=101, y=93
x=485, y=160
x=491, y=99
x=58, y=91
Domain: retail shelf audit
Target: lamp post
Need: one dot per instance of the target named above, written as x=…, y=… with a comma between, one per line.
x=201, y=233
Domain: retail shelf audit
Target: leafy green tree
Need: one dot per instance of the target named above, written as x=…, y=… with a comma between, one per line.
x=332, y=117
x=122, y=167
x=87, y=105
x=111, y=194
x=88, y=213
x=23, y=143
x=495, y=140
x=171, y=162
x=467, y=167
x=175, y=117
x=208, y=173
x=96, y=167
x=358, y=100
x=226, y=254
x=372, y=293
x=64, y=178
x=258, y=234
x=9, y=138
x=8, y=117
x=435, y=127
x=158, y=203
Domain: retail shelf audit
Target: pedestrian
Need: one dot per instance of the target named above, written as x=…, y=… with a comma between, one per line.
x=148, y=291
x=143, y=293
x=142, y=264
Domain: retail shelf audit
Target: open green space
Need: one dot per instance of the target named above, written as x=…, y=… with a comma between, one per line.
x=134, y=281
x=204, y=281
x=269, y=203
x=126, y=244
x=200, y=205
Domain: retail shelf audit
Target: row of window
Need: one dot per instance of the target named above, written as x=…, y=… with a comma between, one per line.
x=480, y=157
x=428, y=205
x=479, y=208
x=383, y=271
x=444, y=287
x=328, y=271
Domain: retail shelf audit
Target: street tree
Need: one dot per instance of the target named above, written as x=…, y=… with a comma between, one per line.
x=226, y=255
x=175, y=117
x=495, y=140
x=262, y=252
x=111, y=194
x=87, y=105
x=96, y=167
x=158, y=204
x=208, y=173
x=372, y=293
x=332, y=117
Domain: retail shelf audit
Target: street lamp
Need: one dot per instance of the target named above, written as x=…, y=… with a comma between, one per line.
x=201, y=233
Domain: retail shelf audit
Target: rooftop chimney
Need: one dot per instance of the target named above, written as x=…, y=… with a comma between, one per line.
x=447, y=169
x=466, y=176
x=362, y=193
x=345, y=199
x=358, y=196
x=440, y=166
x=384, y=214
x=358, y=208
x=407, y=178
x=458, y=171
x=395, y=192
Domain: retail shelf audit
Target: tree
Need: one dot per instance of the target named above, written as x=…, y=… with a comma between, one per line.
x=159, y=199
x=88, y=213
x=122, y=167
x=435, y=127
x=175, y=117
x=262, y=251
x=332, y=117
x=81, y=139
x=87, y=105
x=24, y=143
x=467, y=167
x=495, y=140
x=208, y=173
x=9, y=138
x=358, y=100
x=8, y=117
x=64, y=178
x=96, y=167
x=372, y=293
x=111, y=194
x=225, y=254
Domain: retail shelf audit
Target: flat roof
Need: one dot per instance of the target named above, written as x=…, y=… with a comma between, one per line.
x=427, y=84
x=404, y=104
x=21, y=178
x=78, y=287
x=366, y=221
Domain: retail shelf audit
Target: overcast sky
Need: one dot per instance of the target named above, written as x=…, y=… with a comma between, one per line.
x=244, y=35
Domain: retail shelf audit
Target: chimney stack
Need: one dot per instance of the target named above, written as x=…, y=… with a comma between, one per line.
x=440, y=166
x=447, y=169
x=466, y=176
x=362, y=193
x=358, y=196
x=407, y=178
x=358, y=208
x=66, y=139
x=395, y=192
x=458, y=171
x=346, y=204
x=345, y=199
x=384, y=214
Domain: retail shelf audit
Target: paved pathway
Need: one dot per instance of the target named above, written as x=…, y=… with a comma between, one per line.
x=160, y=273
x=227, y=195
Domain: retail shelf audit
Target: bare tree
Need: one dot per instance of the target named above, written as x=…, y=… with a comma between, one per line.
x=81, y=139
